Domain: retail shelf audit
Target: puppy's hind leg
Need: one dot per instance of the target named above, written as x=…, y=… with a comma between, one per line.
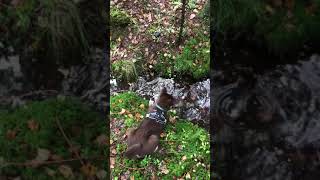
x=151, y=145
x=133, y=151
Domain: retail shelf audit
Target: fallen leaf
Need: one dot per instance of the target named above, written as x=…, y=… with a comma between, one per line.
x=164, y=169
x=33, y=125
x=122, y=111
x=66, y=171
x=11, y=134
x=163, y=135
x=141, y=106
x=114, y=151
x=150, y=18
x=111, y=141
x=131, y=177
x=88, y=170
x=192, y=16
x=130, y=115
x=112, y=161
x=184, y=158
x=42, y=156
x=120, y=100
x=188, y=176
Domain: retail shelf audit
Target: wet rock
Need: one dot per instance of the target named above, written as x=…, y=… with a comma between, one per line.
x=271, y=123
x=194, y=100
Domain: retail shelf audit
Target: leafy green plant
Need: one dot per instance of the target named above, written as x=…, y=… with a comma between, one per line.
x=193, y=61
x=124, y=70
x=25, y=130
x=51, y=30
x=186, y=145
x=119, y=17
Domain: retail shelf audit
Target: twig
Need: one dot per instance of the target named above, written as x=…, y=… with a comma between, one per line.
x=68, y=141
x=31, y=163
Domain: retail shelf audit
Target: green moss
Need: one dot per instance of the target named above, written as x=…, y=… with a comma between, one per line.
x=71, y=113
x=124, y=70
x=119, y=17
x=186, y=145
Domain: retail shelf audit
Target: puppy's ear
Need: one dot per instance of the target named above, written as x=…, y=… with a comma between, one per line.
x=163, y=90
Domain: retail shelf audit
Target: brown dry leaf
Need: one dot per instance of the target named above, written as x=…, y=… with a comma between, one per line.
x=11, y=134
x=42, y=155
x=142, y=106
x=150, y=17
x=163, y=135
x=33, y=125
x=164, y=169
x=130, y=115
x=184, y=158
x=88, y=170
x=102, y=140
x=122, y=111
x=188, y=176
x=112, y=162
x=66, y=171
x=192, y=16
x=114, y=151
x=172, y=119
x=131, y=177
x=111, y=141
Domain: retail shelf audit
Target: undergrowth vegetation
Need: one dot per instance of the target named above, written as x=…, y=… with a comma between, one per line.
x=54, y=30
x=281, y=26
x=193, y=61
x=124, y=71
x=184, y=152
x=31, y=134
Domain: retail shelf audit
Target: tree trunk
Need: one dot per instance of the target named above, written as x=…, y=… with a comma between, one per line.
x=183, y=12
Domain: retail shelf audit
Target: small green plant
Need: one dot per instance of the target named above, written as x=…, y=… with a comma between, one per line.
x=193, y=61
x=124, y=70
x=119, y=17
x=186, y=146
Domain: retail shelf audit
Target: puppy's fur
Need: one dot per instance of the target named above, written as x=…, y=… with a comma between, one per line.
x=145, y=139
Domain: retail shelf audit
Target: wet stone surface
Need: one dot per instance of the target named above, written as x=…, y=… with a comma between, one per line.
x=194, y=100
x=268, y=124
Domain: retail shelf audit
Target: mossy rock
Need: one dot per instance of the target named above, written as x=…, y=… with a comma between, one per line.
x=25, y=130
x=186, y=145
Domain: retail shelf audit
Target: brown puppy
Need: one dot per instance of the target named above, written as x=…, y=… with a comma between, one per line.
x=145, y=139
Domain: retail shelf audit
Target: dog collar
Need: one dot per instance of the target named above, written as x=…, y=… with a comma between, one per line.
x=158, y=115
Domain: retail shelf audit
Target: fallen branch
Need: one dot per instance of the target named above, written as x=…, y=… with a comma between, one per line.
x=68, y=141
x=33, y=163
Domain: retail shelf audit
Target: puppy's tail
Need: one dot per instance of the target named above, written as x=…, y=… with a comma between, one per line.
x=133, y=150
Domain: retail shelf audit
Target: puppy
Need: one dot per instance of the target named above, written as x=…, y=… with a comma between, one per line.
x=145, y=139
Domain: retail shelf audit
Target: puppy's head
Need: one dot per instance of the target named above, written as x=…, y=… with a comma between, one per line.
x=166, y=100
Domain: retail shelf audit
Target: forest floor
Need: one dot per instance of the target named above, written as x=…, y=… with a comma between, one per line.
x=155, y=30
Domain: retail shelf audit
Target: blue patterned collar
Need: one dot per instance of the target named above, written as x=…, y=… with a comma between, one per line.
x=158, y=115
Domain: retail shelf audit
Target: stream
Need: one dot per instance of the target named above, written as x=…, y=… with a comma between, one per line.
x=267, y=124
